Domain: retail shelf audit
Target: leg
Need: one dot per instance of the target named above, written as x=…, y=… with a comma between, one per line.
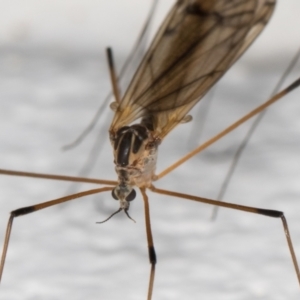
x=30, y=209
x=151, y=250
x=243, y=145
x=130, y=64
x=113, y=76
x=254, y=112
x=56, y=177
x=259, y=211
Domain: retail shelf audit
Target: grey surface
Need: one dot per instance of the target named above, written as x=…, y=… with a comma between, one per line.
x=49, y=91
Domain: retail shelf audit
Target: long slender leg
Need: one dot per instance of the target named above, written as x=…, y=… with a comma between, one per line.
x=133, y=57
x=113, y=76
x=151, y=249
x=245, y=141
x=254, y=112
x=57, y=177
x=33, y=208
x=255, y=210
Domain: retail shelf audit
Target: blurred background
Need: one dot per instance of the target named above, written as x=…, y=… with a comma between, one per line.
x=54, y=77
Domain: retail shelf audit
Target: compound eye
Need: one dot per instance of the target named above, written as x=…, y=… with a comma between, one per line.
x=131, y=196
x=114, y=195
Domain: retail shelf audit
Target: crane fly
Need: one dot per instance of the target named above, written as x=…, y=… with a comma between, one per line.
x=196, y=44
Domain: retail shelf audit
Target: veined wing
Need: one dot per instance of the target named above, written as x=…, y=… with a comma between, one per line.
x=195, y=45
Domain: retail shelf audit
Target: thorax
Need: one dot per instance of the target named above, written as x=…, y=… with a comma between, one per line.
x=135, y=154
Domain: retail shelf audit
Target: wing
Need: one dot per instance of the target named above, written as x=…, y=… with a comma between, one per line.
x=138, y=51
x=195, y=45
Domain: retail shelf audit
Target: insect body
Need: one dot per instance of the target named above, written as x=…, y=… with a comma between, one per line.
x=196, y=44
x=135, y=152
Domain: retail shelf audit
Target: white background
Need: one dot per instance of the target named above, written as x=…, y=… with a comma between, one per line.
x=53, y=78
